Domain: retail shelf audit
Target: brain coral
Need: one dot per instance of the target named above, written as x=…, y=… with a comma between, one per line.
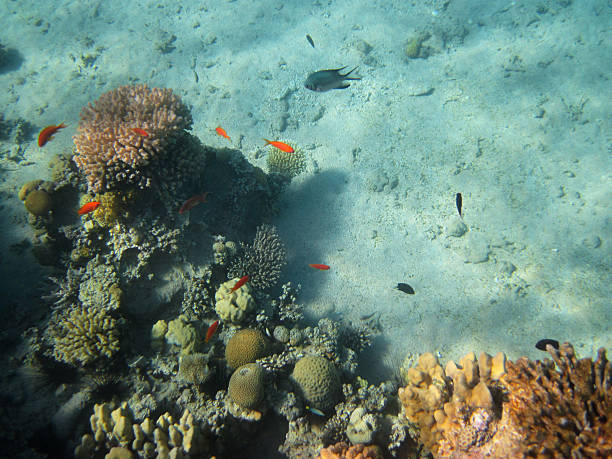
x=110, y=144
x=244, y=347
x=84, y=334
x=262, y=261
x=233, y=306
x=318, y=381
x=246, y=386
x=38, y=202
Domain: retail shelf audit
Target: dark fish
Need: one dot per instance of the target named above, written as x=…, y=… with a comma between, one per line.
x=324, y=80
x=405, y=288
x=309, y=38
x=541, y=345
x=459, y=202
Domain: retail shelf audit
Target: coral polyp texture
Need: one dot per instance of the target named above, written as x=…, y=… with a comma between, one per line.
x=123, y=130
x=83, y=335
x=318, y=381
x=246, y=386
x=262, y=261
x=343, y=451
x=286, y=164
x=564, y=411
x=244, y=347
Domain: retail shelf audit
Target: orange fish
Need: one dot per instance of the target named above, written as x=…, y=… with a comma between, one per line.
x=321, y=267
x=192, y=202
x=280, y=145
x=211, y=330
x=47, y=133
x=243, y=280
x=89, y=207
x=222, y=132
x=140, y=131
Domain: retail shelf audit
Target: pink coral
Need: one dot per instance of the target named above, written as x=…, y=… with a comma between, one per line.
x=111, y=145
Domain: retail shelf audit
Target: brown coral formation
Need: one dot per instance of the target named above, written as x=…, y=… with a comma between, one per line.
x=343, y=451
x=110, y=143
x=493, y=408
x=564, y=411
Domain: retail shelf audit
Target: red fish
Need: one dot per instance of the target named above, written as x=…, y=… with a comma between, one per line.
x=89, y=207
x=243, y=280
x=280, y=145
x=321, y=267
x=211, y=330
x=222, y=132
x=192, y=202
x=140, y=131
x=47, y=133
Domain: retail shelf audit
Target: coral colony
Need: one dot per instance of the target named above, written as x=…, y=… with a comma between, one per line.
x=171, y=333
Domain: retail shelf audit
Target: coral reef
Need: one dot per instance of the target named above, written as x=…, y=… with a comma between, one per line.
x=343, y=451
x=262, y=261
x=193, y=369
x=110, y=144
x=183, y=334
x=246, y=386
x=115, y=430
x=286, y=164
x=82, y=335
x=246, y=346
x=233, y=306
x=563, y=411
x=318, y=381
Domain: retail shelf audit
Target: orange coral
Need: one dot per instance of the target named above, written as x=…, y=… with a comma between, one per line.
x=566, y=411
x=111, y=143
x=343, y=451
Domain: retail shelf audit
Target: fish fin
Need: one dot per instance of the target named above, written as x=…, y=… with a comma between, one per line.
x=348, y=73
x=267, y=142
x=343, y=86
x=338, y=70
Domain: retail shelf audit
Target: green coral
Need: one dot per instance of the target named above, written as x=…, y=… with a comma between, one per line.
x=233, y=306
x=38, y=203
x=83, y=335
x=287, y=164
x=244, y=347
x=318, y=381
x=246, y=386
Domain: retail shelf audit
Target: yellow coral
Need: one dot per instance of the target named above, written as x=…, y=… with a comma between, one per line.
x=246, y=386
x=83, y=335
x=233, y=305
x=244, y=347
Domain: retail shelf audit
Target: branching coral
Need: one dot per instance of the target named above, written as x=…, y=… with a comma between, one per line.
x=123, y=130
x=262, y=261
x=83, y=335
x=565, y=411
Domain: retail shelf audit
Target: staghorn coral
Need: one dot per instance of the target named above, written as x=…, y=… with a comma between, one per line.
x=244, y=347
x=262, y=260
x=343, y=451
x=107, y=147
x=82, y=335
x=318, y=381
x=562, y=411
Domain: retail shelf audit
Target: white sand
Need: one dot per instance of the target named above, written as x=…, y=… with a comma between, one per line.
x=477, y=134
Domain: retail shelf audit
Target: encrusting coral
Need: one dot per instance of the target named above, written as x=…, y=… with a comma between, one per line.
x=124, y=130
x=84, y=334
x=262, y=261
x=233, y=306
x=343, y=451
x=564, y=411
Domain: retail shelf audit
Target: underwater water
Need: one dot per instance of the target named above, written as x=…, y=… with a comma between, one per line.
x=357, y=182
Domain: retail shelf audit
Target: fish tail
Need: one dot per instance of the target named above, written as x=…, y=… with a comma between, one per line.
x=268, y=142
x=346, y=75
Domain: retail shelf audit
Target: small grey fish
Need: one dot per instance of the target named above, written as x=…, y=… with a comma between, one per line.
x=324, y=80
x=310, y=40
